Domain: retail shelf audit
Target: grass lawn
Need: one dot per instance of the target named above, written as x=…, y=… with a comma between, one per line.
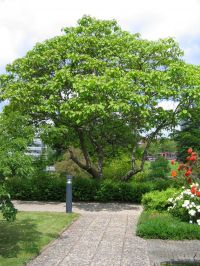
x=161, y=225
x=23, y=239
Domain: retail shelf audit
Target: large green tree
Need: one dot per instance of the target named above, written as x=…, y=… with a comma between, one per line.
x=97, y=88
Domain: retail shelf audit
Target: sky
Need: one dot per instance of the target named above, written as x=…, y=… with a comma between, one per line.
x=25, y=22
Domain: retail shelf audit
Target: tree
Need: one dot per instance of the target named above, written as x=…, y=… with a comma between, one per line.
x=15, y=135
x=97, y=88
x=189, y=134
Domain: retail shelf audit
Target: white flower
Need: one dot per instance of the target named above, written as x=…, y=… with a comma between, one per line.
x=186, y=203
x=192, y=196
x=192, y=205
x=192, y=212
x=169, y=208
x=191, y=222
x=170, y=199
x=198, y=221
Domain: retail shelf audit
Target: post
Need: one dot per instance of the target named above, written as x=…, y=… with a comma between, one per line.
x=69, y=194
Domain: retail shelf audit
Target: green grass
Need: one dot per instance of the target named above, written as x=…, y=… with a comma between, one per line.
x=23, y=239
x=153, y=224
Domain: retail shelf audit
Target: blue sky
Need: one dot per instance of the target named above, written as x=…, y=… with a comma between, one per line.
x=25, y=22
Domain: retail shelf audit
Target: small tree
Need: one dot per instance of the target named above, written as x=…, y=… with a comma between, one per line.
x=159, y=168
x=15, y=135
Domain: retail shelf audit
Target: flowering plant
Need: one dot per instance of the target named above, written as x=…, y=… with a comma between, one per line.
x=189, y=170
x=186, y=205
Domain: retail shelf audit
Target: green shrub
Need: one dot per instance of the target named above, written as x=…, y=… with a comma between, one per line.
x=158, y=200
x=84, y=189
x=52, y=187
x=117, y=167
x=153, y=224
x=159, y=168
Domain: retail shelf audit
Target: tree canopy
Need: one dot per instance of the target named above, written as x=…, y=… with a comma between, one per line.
x=98, y=88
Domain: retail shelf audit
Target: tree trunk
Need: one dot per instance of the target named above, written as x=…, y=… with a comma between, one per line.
x=88, y=168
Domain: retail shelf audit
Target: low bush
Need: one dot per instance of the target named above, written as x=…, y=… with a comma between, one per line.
x=84, y=189
x=155, y=225
x=158, y=200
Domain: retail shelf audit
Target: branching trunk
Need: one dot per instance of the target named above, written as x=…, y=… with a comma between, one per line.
x=134, y=169
x=91, y=170
x=87, y=166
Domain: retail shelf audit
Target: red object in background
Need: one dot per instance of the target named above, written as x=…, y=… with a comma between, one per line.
x=172, y=162
x=188, y=173
x=173, y=173
x=193, y=158
x=198, y=193
x=189, y=180
x=193, y=190
x=190, y=150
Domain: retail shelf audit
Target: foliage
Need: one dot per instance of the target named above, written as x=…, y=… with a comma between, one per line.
x=84, y=189
x=25, y=238
x=49, y=187
x=159, y=168
x=15, y=134
x=158, y=200
x=153, y=224
x=186, y=205
x=65, y=165
x=162, y=145
x=117, y=167
x=97, y=87
x=189, y=171
x=6, y=206
x=45, y=187
x=189, y=134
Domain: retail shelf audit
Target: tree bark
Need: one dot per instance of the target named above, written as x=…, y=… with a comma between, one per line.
x=91, y=170
x=135, y=170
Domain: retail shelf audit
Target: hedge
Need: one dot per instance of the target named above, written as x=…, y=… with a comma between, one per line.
x=53, y=188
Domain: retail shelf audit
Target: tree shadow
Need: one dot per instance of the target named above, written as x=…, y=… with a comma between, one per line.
x=18, y=236
x=106, y=207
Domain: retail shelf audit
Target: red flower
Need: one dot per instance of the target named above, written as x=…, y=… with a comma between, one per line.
x=198, y=193
x=189, y=180
x=193, y=158
x=188, y=173
x=193, y=190
x=172, y=162
x=190, y=150
x=188, y=158
x=181, y=166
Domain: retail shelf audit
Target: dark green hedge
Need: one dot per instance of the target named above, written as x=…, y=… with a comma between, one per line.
x=52, y=188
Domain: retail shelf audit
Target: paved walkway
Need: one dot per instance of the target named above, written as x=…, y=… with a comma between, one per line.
x=105, y=235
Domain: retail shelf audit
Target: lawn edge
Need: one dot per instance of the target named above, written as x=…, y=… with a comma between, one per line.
x=52, y=241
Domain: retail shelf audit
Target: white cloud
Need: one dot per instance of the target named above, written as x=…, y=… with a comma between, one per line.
x=25, y=22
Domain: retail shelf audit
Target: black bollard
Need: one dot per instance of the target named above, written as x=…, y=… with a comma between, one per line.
x=69, y=194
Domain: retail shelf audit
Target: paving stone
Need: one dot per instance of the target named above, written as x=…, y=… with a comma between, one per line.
x=105, y=234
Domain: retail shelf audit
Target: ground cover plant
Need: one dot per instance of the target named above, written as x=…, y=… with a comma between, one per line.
x=162, y=225
x=24, y=238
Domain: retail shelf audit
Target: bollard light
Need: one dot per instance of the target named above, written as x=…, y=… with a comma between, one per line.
x=69, y=194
